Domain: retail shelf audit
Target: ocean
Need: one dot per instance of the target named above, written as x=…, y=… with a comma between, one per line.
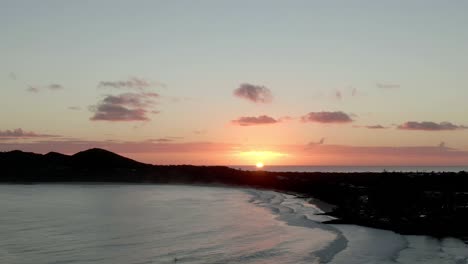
x=355, y=168
x=137, y=224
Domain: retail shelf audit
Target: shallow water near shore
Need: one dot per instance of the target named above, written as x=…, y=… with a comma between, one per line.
x=191, y=224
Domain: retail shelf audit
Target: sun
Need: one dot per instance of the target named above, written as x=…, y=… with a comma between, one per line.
x=259, y=165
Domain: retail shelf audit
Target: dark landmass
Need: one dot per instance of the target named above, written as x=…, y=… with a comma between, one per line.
x=410, y=203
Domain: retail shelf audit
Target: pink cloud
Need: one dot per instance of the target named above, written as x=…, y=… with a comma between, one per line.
x=20, y=133
x=253, y=121
x=430, y=126
x=327, y=117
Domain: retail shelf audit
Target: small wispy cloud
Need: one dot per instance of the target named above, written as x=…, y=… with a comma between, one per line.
x=52, y=87
x=55, y=87
x=254, y=121
x=12, y=76
x=254, y=93
x=376, y=127
x=74, y=108
x=320, y=142
x=32, y=89
x=131, y=83
x=338, y=95
x=20, y=133
x=327, y=117
x=388, y=85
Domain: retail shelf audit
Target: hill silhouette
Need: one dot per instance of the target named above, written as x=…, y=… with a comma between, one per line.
x=101, y=158
x=413, y=203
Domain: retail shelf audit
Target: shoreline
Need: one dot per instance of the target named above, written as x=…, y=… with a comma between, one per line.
x=405, y=202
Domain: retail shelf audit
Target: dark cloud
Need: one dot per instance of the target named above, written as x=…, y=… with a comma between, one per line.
x=132, y=83
x=387, y=85
x=253, y=121
x=20, y=133
x=124, y=107
x=109, y=112
x=327, y=117
x=430, y=126
x=254, y=93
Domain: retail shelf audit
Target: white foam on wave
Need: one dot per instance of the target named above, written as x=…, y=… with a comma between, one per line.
x=358, y=244
x=294, y=212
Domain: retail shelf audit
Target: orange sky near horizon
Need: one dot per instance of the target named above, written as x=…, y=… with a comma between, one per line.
x=238, y=82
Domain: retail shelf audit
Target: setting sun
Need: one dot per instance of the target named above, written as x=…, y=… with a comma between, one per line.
x=259, y=165
x=260, y=157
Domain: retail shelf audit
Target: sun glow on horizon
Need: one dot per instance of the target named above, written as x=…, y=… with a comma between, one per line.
x=260, y=157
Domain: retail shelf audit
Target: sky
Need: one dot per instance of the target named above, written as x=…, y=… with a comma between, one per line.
x=238, y=82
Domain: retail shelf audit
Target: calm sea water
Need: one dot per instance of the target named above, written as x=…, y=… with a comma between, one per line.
x=189, y=224
x=357, y=168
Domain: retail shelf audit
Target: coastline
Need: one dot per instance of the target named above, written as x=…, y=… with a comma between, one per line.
x=408, y=203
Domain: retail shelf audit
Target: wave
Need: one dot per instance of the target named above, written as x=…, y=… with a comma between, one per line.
x=357, y=244
x=296, y=212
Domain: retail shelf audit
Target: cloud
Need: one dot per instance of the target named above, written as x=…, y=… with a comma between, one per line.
x=338, y=95
x=51, y=87
x=162, y=140
x=254, y=93
x=32, y=89
x=132, y=83
x=12, y=76
x=254, y=121
x=354, y=92
x=55, y=87
x=74, y=108
x=376, y=127
x=327, y=117
x=320, y=142
x=387, y=85
x=430, y=126
x=124, y=107
x=20, y=133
